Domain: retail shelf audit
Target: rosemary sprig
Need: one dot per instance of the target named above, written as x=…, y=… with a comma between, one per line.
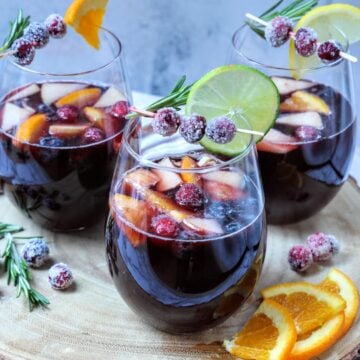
x=18, y=273
x=176, y=98
x=9, y=228
x=293, y=11
x=17, y=28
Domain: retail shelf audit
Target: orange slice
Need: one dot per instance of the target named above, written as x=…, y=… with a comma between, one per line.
x=31, y=129
x=80, y=98
x=269, y=335
x=86, y=17
x=188, y=163
x=309, y=305
x=339, y=283
x=314, y=343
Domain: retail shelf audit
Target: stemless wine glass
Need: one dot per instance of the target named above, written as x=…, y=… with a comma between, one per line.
x=186, y=232
x=61, y=121
x=305, y=159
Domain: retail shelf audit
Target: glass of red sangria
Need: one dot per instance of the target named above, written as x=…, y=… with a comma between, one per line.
x=305, y=158
x=185, y=238
x=61, y=123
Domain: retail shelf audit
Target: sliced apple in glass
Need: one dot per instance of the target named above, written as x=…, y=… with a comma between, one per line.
x=232, y=178
x=110, y=97
x=168, y=179
x=288, y=85
x=52, y=91
x=24, y=92
x=308, y=118
x=203, y=226
x=14, y=115
x=277, y=142
x=67, y=130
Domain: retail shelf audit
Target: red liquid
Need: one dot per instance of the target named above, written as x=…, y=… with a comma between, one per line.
x=190, y=284
x=302, y=181
x=60, y=188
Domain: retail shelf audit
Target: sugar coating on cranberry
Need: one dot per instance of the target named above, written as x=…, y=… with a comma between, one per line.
x=192, y=128
x=164, y=225
x=190, y=196
x=55, y=25
x=300, y=258
x=35, y=252
x=305, y=41
x=60, y=276
x=221, y=130
x=307, y=133
x=93, y=135
x=166, y=121
x=119, y=109
x=278, y=30
x=68, y=113
x=329, y=51
x=37, y=33
x=335, y=244
x=321, y=246
x=25, y=51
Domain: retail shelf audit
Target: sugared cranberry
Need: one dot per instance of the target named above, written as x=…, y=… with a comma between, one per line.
x=300, y=258
x=305, y=41
x=35, y=252
x=192, y=128
x=329, y=51
x=93, y=135
x=37, y=34
x=51, y=141
x=60, y=276
x=190, y=196
x=119, y=109
x=164, y=225
x=335, y=244
x=321, y=246
x=25, y=51
x=221, y=130
x=68, y=113
x=307, y=133
x=166, y=121
x=278, y=31
x=55, y=25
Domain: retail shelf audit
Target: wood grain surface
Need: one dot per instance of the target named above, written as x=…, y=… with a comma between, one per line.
x=90, y=320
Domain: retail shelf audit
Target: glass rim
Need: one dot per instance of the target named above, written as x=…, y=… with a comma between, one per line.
x=202, y=170
x=268, y=66
x=81, y=73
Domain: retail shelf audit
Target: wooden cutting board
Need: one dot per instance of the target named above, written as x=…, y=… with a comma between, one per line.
x=90, y=321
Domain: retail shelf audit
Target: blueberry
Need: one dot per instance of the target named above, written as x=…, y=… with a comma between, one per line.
x=47, y=110
x=217, y=210
x=51, y=141
x=232, y=227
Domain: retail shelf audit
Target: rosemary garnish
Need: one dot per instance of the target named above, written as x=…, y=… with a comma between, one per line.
x=176, y=98
x=17, y=28
x=18, y=273
x=293, y=11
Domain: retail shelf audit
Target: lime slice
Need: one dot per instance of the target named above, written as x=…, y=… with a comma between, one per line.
x=244, y=94
x=335, y=21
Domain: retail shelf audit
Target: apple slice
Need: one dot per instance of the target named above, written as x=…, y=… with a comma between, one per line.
x=277, y=142
x=141, y=179
x=110, y=97
x=67, y=130
x=231, y=178
x=53, y=91
x=31, y=129
x=301, y=101
x=203, y=226
x=168, y=179
x=207, y=160
x=95, y=116
x=188, y=163
x=308, y=118
x=24, y=92
x=14, y=115
x=136, y=213
x=80, y=98
x=219, y=191
x=287, y=85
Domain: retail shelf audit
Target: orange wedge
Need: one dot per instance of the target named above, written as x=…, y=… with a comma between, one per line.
x=31, y=129
x=80, y=98
x=316, y=342
x=188, y=163
x=269, y=335
x=86, y=17
x=339, y=283
x=309, y=305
